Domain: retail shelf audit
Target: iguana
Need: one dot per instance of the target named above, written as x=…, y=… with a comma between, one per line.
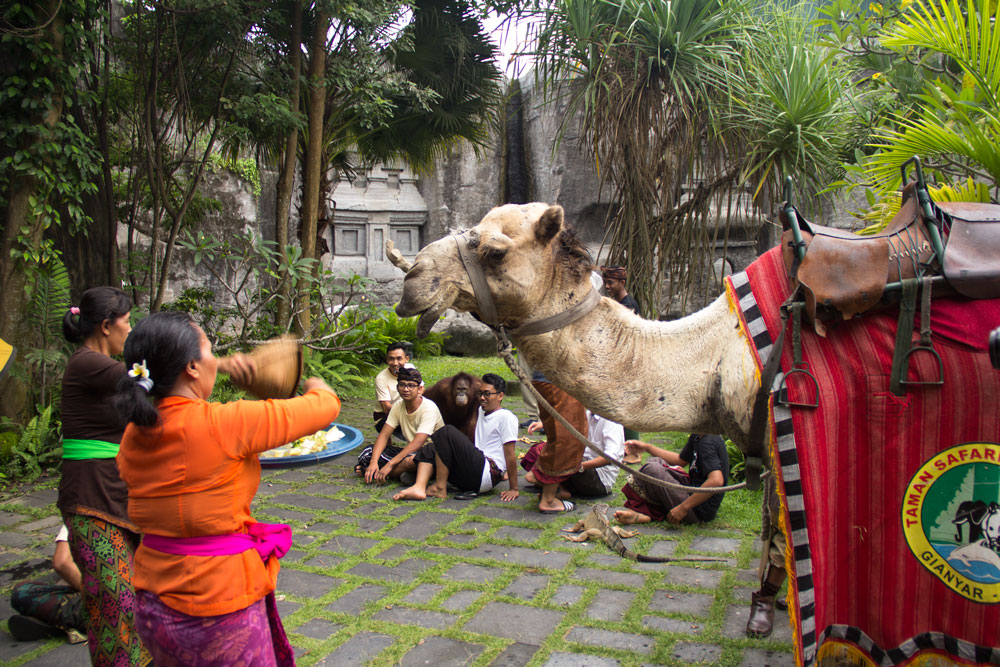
x=596, y=524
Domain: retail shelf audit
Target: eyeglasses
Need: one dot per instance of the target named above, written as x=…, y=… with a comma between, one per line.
x=406, y=385
x=486, y=394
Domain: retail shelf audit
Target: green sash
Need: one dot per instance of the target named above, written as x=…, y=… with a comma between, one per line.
x=88, y=449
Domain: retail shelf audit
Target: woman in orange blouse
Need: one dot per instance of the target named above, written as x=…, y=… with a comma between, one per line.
x=205, y=571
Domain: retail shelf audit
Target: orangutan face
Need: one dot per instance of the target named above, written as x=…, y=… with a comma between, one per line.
x=463, y=392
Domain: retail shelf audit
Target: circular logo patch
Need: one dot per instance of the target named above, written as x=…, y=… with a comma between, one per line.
x=951, y=519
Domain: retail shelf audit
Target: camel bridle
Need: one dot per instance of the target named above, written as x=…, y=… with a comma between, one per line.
x=488, y=315
x=487, y=307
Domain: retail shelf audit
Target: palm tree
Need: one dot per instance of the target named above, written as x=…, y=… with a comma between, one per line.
x=956, y=129
x=688, y=104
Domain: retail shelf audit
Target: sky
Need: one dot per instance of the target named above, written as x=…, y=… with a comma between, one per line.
x=509, y=41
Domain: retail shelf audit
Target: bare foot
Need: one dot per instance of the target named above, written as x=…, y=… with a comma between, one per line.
x=530, y=479
x=562, y=493
x=412, y=493
x=436, y=491
x=631, y=516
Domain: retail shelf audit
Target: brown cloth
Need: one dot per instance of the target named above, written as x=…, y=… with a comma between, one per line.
x=563, y=453
x=93, y=487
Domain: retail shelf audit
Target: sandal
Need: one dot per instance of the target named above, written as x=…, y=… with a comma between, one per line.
x=568, y=506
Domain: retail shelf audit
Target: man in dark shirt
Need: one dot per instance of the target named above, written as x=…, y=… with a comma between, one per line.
x=614, y=284
x=707, y=461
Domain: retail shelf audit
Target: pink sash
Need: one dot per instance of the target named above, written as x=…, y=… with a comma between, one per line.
x=267, y=538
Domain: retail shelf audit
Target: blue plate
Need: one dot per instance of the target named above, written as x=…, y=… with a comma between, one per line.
x=352, y=438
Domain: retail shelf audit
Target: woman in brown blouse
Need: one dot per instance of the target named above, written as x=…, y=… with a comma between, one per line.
x=92, y=497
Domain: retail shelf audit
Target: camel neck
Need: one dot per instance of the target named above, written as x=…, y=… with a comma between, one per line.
x=636, y=371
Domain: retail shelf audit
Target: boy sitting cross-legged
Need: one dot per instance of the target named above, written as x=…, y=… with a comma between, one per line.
x=473, y=468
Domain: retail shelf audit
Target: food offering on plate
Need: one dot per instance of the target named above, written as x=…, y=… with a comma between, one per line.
x=310, y=444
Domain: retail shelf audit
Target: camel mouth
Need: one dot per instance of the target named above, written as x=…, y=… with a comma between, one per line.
x=427, y=320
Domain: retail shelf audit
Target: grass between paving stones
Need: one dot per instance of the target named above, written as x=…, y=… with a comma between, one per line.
x=454, y=541
x=738, y=518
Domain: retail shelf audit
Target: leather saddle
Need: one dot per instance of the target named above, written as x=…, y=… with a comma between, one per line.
x=843, y=274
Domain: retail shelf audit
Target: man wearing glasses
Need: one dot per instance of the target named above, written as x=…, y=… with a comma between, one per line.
x=472, y=468
x=416, y=416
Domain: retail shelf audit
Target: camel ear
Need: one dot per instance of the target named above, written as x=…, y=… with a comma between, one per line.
x=550, y=224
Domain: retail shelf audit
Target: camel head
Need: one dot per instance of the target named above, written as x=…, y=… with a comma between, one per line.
x=530, y=259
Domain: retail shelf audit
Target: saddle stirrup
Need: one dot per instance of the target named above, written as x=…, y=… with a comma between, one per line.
x=925, y=344
x=799, y=366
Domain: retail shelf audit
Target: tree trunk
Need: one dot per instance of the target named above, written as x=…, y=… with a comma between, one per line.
x=313, y=161
x=14, y=274
x=287, y=178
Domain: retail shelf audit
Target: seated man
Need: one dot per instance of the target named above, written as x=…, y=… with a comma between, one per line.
x=50, y=610
x=473, y=468
x=709, y=467
x=596, y=476
x=416, y=416
x=396, y=357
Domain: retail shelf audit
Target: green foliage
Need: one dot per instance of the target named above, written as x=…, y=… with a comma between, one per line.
x=737, y=463
x=794, y=108
x=48, y=301
x=454, y=85
x=24, y=454
x=931, y=81
x=387, y=327
x=342, y=370
x=248, y=269
x=245, y=168
x=957, y=125
x=44, y=153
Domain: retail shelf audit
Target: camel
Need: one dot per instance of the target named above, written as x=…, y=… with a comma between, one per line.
x=695, y=374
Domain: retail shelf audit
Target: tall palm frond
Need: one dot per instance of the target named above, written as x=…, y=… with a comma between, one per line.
x=653, y=81
x=957, y=128
x=793, y=109
x=454, y=86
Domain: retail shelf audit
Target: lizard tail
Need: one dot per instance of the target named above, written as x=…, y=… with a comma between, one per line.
x=674, y=559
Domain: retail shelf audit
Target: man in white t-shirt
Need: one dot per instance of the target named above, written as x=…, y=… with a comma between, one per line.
x=417, y=417
x=472, y=468
x=596, y=476
x=386, y=394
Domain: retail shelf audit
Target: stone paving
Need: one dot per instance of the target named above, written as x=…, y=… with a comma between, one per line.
x=450, y=582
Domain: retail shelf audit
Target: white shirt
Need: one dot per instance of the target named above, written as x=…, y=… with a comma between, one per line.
x=611, y=437
x=493, y=430
x=385, y=387
x=425, y=419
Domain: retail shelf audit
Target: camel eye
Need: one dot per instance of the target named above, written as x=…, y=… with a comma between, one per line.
x=495, y=255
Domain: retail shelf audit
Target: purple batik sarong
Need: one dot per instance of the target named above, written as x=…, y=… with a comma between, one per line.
x=251, y=636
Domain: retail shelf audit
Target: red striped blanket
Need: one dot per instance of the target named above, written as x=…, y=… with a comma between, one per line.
x=891, y=556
